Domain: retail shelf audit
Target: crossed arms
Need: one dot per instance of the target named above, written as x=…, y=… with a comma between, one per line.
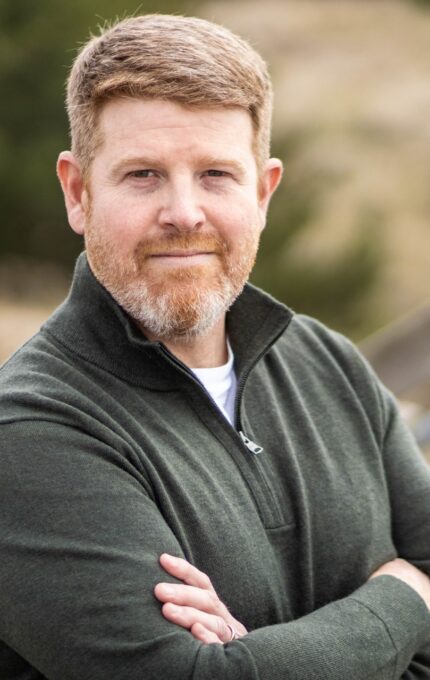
x=81, y=542
x=195, y=605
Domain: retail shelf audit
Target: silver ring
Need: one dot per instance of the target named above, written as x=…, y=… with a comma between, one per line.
x=234, y=634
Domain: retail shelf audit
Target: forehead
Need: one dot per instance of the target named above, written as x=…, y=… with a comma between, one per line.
x=152, y=125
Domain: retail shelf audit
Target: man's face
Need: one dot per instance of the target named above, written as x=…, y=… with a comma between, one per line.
x=174, y=212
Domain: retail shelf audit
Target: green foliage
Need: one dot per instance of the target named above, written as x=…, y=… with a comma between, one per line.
x=335, y=289
x=38, y=41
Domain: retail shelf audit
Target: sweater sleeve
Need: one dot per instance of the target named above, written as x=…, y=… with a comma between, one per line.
x=407, y=477
x=80, y=537
x=408, y=481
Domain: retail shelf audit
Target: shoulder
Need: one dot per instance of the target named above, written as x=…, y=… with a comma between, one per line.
x=310, y=330
x=42, y=378
x=309, y=338
x=325, y=362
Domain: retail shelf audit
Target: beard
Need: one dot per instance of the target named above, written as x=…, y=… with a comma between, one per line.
x=173, y=303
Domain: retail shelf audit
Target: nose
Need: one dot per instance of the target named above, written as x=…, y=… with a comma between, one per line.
x=181, y=208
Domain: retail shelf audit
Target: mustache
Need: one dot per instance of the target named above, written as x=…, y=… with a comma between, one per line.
x=202, y=242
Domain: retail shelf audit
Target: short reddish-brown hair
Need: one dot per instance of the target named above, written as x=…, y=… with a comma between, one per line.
x=186, y=60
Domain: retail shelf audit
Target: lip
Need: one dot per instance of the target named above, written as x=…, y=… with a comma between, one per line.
x=181, y=253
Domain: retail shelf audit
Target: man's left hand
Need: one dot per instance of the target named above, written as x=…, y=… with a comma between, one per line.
x=195, y=605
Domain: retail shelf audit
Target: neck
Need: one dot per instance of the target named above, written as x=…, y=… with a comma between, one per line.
x=204, y=351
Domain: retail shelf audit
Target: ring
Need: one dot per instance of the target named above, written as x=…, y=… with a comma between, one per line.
x=234, y=634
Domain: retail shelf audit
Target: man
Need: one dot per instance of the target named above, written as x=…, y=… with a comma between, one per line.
x=184, y=461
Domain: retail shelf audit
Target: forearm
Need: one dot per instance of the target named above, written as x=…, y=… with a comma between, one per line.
x=372, y=634
x=367, y=635
x=194, y=605
x=81, y=542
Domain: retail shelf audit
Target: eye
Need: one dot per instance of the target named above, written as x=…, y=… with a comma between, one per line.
x=217, y=173
x=142, y=174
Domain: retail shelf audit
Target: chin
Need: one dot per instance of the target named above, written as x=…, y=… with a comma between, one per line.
x=179, y=312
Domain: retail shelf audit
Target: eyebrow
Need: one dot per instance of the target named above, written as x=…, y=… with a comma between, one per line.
x=124, y=163
x=210, y=161
x=155, y=162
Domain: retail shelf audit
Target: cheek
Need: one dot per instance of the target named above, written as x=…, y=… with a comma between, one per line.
x=237, y=204
x=243, y=221
x=120, y=223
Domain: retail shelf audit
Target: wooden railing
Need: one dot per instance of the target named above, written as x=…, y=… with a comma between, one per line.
x=400, y=355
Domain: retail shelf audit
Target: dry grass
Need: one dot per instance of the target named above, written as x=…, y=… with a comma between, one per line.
x=19, y=321
x=29, y=292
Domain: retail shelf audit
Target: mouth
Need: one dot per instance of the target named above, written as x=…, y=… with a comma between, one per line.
x=182, y=253
x=178, y=258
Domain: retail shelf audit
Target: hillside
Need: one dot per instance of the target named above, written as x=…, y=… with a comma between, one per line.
x=352, y=86
x=352, y=82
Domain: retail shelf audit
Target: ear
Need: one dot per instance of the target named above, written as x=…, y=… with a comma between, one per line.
x=75, y=194
x=268, y=182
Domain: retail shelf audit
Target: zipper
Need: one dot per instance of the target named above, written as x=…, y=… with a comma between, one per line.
x=252, y=446
x=248, y=443
x=244, y=378
x=268, y=511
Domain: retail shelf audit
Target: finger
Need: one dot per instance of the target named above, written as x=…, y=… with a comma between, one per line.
x=186, y=572
x=190, y=596
x=208, y=637
x=188, y=616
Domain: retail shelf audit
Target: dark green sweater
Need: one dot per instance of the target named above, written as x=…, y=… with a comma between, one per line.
x=111, y=453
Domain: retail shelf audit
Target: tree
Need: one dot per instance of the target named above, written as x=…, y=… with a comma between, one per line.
x=38, y=42
x=336, y=289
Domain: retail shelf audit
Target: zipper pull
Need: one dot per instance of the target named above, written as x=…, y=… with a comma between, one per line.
x=254, y=448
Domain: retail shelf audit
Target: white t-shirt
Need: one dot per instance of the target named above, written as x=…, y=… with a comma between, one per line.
x=221, y=384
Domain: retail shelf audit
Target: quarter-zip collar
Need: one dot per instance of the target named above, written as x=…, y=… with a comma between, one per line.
x=93, y=326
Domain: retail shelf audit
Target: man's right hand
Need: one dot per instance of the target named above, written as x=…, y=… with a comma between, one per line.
x=195, y=605
x=406, y=572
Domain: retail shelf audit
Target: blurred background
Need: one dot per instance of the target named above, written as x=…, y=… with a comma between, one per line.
x=348, y=236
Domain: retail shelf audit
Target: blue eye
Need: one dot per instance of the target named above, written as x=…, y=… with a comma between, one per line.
x=216, y=173
x=142, y=173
